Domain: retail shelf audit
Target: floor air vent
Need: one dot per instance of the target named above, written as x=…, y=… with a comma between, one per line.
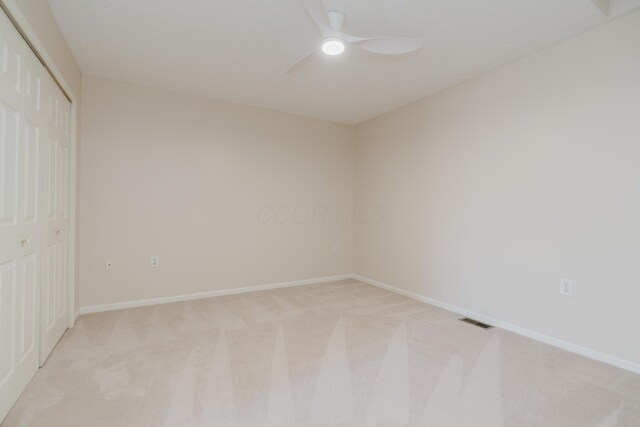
x=476, y=323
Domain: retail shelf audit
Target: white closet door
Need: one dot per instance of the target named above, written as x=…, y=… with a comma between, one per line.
x=55, y=251
x=21, y=128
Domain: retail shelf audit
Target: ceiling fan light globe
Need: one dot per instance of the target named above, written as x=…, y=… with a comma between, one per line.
x=333, y=46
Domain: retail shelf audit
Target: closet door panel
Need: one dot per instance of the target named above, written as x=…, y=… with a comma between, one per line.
x=7, y=325
x=30, y=213
x=9, y=133
x=34, y=207
x=54, y=289
x=31, y=179
x=48, y=285
x=21, y=129
x=10, y=117
x=28, y=306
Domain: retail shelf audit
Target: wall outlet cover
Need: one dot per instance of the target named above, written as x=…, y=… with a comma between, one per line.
x=566, y=287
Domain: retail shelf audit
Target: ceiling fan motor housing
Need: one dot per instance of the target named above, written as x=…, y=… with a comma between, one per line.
x=336, y=19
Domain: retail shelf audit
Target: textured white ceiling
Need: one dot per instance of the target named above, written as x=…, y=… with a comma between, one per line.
x=239, y=50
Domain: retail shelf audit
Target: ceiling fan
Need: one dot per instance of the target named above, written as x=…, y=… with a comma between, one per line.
x=334, y=40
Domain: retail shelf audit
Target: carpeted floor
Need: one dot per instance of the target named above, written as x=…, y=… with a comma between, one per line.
x=341, y=353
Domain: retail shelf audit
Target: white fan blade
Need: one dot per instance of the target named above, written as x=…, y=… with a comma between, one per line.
x=386, y=45
x=319, y=15
x=303, y=61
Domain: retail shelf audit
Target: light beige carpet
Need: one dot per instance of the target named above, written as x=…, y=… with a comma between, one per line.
x=341, y=353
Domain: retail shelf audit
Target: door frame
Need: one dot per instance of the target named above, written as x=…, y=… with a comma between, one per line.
x=33, y=41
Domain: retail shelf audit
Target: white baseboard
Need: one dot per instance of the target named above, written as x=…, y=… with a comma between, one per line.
x=565, y=345
x=208, y=294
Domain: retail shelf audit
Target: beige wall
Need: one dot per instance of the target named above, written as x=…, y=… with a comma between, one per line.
x=499, y=187
x=198, y=182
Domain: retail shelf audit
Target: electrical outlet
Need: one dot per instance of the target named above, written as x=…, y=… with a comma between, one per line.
x=108, y=264
x=155, y=261
x=336, y=249
x=566, y=288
